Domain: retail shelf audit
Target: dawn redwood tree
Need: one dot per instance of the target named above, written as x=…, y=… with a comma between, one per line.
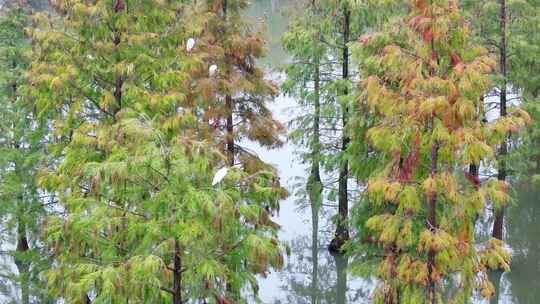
x=238, y=93
x=343, y=22
x=343, y=9
x=303, y=42
x=235, y=92
x=490, y=19
x=524, y=40
x=503, y=112
x=142, y=219
x=506, y=29
x=22, y=207
x=321, y=79
x=424, y=79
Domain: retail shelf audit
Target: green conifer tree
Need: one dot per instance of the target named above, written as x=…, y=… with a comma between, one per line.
x=321, y=79
x=22, y=207
x=143, y=220
x=424, y=79
x=304, y=82
x=504, y=27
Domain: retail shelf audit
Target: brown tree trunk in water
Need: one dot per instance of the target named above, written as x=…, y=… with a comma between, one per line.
x=499, y=214
x=432, y=224
x=315, y=251
x=342, y=230
x=177, y=275
x=495, y=278
x=536, y=158
x=230, y=149
x=341, y=278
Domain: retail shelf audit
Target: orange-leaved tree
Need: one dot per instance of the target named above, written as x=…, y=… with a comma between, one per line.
x=425, y=81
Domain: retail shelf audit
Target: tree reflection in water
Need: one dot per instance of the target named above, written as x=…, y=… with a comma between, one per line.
x=523, y=235
x=313, y=276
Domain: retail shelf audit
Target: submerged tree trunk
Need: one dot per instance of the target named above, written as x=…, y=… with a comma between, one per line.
x=342, y=231
x=499, y=214
x=341, y=283
x=315, y=251
x=495, y=278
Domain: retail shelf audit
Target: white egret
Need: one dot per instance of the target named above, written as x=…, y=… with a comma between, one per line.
x=212, y=70
x=221, y=173
x=190, y=44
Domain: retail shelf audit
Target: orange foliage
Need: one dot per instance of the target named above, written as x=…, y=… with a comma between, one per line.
x=420, y=4
x=427, y=35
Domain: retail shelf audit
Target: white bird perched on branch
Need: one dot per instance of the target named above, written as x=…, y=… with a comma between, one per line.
x=212, y=70
x=190, y=44
x=221, y=173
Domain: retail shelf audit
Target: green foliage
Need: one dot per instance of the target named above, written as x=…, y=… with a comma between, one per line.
x=125, y=129
x=22, y=207
x=314, y=39
x=119, y=239
x=304, y=81
x=135, y=156
x=425, y=80
x=522, y=42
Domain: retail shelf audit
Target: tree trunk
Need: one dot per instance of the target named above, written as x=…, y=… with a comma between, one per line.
x=230, y=130
x=119, y=81
x=315, y=187
x=314, y=182
x=503, y=151
x=341, y=283
x=432, y=224
x=315, y=251
x=342, y=231
x=21, y=263
x=495, y=278
x=316, y=144
x=177, y=276
x=229, y=111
